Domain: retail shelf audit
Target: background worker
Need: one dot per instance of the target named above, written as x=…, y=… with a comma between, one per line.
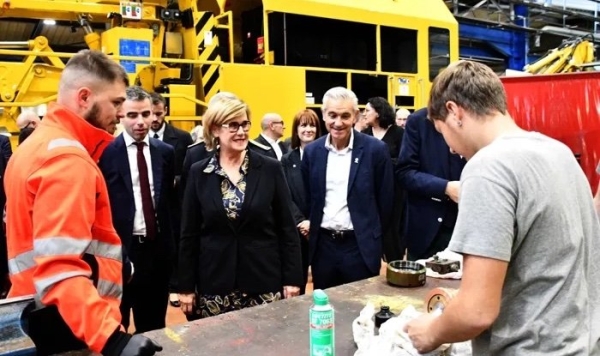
x=272, y=126
x=62, y=246
x=526, y=228
x=179, y=140
x=401, y=117
x=27, y=119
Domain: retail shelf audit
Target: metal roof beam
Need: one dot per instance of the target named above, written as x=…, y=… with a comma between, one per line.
x=556, y=9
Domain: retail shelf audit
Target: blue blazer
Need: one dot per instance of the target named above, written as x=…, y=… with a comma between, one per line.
x=114, y=164
x=425, y=166
x=369, y=199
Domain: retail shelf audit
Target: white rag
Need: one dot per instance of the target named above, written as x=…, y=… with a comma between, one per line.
x=392, y=340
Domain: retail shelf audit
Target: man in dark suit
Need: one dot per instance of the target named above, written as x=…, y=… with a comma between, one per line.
x=4, y=280
x=5, y=147
x=272, y=126
x=430, y=174
x=348, y=177
x=5, y=154
x=161, y=130
x=179, y=140
x=139, y=175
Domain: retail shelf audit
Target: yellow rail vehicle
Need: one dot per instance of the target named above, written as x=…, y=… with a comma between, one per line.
x=278, y=55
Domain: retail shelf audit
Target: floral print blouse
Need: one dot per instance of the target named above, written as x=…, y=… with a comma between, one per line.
x=233, y=193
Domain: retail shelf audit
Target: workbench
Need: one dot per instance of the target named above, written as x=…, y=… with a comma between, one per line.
x=281, y=328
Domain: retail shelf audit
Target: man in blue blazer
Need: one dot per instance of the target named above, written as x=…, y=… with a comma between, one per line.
x=139, y=173
x=348, y=177
x=429, y=173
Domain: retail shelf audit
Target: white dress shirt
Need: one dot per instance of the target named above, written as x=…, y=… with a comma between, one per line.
x=139, y=225
x=160, y=133
x=275, y=146
x=336, y=215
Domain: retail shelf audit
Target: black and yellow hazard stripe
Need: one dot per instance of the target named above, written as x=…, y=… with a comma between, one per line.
x=208, y=52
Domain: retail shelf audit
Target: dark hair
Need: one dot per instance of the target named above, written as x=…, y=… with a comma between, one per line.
x=158, y=99
x=307, y=116
x=137, y=94
x=24, y=133
x=387, y=116
x=89, y=63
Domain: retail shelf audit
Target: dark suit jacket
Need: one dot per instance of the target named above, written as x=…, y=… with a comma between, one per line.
x=425, y=166
x=5, y=147
x=392, y=138
x=260, y=139
x=114, y=164
x=291, y=163
x=179, y=140
x=3, y=247
x=369, y=200
x=259, y=253
x=197, y=152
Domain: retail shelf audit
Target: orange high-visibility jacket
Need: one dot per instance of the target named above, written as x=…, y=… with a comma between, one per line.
x=62, y=246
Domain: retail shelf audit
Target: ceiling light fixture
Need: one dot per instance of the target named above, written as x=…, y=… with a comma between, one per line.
x=49, y=22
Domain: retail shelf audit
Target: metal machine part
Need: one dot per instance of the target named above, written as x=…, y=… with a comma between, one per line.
x=406, y=274
x=443, y=265
x=437, y=299
x=570, y=56
x=14, y=339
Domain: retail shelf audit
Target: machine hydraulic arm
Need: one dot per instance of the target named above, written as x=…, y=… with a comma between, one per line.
x=569, y=57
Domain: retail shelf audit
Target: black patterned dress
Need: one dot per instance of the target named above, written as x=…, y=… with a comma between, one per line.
x=233, y=198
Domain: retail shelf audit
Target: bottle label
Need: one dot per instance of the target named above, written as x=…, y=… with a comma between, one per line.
x=322, y=335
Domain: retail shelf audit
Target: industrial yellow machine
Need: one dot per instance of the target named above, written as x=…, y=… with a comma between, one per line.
x=571, y=56
x=278, y=55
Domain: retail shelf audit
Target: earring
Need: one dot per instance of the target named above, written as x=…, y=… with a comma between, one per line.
x=459, y=123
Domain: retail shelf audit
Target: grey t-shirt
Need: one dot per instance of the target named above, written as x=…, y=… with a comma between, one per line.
x=525, y=200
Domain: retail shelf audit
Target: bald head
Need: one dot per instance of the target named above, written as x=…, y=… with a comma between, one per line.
x=272, y=125
x=268, y=119
x=27, y=119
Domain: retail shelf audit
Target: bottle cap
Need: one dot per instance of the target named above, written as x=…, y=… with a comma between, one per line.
x=320, y=298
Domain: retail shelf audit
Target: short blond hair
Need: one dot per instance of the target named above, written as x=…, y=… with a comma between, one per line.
x=471, y=85
x=221, y=112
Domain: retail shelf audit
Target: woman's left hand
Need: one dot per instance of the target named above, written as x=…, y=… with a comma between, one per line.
x=290, y=291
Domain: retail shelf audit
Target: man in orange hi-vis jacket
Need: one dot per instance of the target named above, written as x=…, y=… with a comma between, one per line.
x=62, y=246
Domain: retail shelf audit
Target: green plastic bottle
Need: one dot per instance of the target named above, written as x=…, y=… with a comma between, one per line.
x=322, y=325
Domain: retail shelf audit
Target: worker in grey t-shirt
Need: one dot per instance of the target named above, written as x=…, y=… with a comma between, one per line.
x=526, y=227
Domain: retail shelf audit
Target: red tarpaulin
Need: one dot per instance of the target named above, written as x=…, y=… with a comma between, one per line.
x=563, y=106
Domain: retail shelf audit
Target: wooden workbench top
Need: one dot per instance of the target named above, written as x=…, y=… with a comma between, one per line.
x=281, y=328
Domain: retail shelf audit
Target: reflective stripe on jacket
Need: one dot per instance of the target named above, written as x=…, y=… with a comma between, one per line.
x=62, y=246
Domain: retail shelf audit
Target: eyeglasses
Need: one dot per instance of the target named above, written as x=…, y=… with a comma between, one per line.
x=235, y=126
x=134, y=114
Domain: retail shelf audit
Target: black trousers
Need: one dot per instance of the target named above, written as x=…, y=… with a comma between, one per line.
x=305, y=264
x=148, y=292
x=439, y=243
x=394, y=242
x=338, y=261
